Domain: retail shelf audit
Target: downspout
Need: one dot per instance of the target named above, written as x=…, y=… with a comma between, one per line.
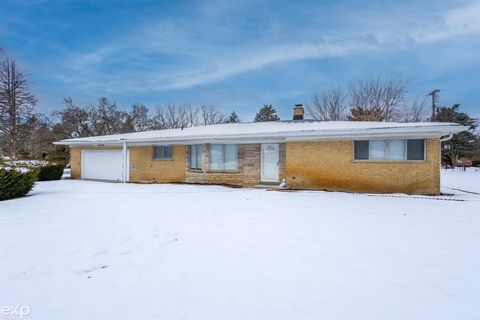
x=124, y=162
x=450, y=136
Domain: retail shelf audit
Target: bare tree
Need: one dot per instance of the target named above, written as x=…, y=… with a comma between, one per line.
x=329, y=105
x=106, y=118
x=208, y=114
x=138, y=119
x=376, y=100
x=16, y=103
x=35, y=137
x=75, y=121
x=183, y=116
x=413, y=112
x=394, y=94
x=175, y=116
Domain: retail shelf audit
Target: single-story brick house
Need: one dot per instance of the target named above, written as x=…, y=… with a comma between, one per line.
x=382, y=157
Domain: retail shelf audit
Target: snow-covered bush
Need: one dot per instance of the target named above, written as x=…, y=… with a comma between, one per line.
x=46, y=170
x=50, y=172
x=15, y=183
x=27, y=163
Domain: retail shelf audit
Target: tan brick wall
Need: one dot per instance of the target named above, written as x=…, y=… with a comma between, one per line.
x=329, y=165
x=75, y=163
x=247, y=175
x=251, y=164
x=322, y=165
x=147, y=169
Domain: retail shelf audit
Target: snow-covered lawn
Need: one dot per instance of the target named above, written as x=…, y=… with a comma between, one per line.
x=94, y=250
x=457, y=180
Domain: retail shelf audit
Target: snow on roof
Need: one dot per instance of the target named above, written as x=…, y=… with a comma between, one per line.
x=277, y=130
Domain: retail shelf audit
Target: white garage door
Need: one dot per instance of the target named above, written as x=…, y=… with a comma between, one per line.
x=102, y=164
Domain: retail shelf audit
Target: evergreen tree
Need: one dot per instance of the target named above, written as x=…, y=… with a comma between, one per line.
x=464, y=144
x=233, y=118
x=362, y=114
x=266, y=113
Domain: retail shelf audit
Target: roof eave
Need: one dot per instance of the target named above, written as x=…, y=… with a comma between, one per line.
x=307, y=135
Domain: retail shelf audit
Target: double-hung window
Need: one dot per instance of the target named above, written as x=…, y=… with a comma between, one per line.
x=162, y=152
x=223, y=157
x=196, y=152
x=390, y=150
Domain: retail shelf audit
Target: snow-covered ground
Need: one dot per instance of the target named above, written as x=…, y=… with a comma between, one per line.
x=95, y=250
x=454, y=180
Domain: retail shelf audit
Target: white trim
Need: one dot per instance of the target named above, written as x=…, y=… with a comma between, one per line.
x=125, y=162
x=274, y=133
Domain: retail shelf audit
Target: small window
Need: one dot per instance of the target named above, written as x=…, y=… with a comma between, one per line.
x=390, y=150
x=196, y=152
x=416, y=149
x=162, y=152
x=230, y=157
x=378, y=150
x=223, y=157
x=396, y=150
x=361, y=150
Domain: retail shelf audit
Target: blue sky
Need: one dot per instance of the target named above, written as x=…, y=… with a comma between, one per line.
x=240, y=54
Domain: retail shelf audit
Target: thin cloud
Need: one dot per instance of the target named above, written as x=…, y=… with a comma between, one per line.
x=458, y=22
x=266, y=57
x=202, y=60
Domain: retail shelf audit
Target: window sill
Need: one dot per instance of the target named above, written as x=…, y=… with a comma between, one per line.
x=223, y=171
x=171, y=159
x=391, y=161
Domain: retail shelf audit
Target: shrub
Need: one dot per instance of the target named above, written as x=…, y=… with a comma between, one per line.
x=46, y=170
x=14, y=184
x=50, y=172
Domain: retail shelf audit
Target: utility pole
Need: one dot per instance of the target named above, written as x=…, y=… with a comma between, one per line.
x=434, y=94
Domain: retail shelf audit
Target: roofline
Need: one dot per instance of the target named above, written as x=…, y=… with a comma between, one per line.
x=304, y=135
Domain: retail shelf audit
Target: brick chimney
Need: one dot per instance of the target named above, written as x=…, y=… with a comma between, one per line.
x=298, y=112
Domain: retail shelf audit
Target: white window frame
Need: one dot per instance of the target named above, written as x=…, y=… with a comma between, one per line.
x=405, y=158
x=223, y=155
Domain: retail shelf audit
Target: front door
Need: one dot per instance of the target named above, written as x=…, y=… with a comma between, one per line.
x=270, y=162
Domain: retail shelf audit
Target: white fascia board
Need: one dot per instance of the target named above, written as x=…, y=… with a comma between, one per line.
x=278, y=137
x=172, y=142
x=210, y=141
x=369, y=136
x=91, y=144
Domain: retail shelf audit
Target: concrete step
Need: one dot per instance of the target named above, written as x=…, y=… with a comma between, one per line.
x=269, y=186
